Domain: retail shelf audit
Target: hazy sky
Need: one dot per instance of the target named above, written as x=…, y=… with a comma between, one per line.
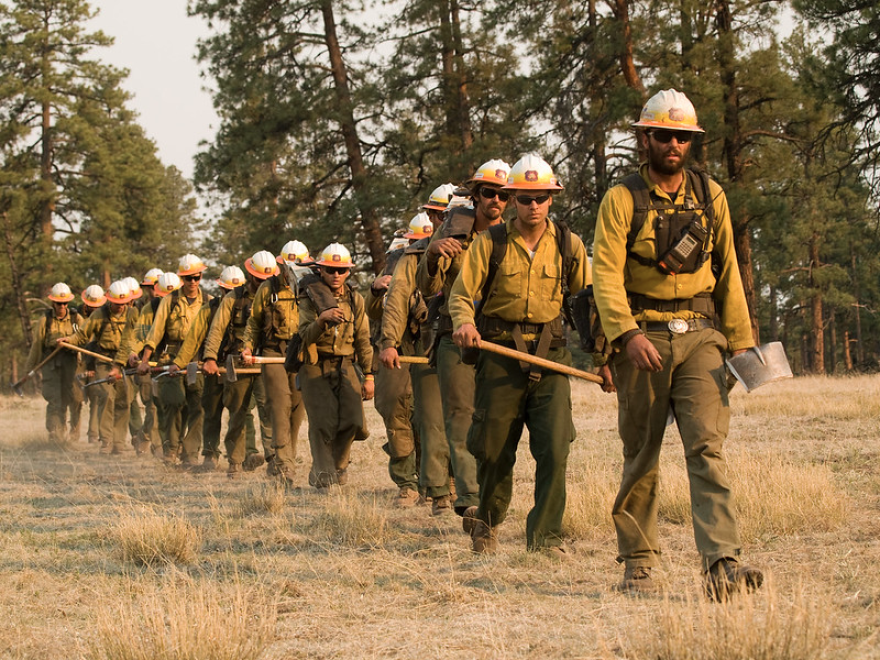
x=155, y=41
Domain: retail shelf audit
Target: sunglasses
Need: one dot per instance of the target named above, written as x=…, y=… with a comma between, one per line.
x=665, y=137
x=333, y=270
x=192, y=278
x=526, y=200
x=491, y=193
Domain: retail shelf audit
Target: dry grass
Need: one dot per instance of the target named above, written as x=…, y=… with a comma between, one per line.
x=185, y=621
x=146, y=538
x=120, y=558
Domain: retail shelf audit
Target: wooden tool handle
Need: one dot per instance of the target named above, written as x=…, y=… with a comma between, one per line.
x=541, y=362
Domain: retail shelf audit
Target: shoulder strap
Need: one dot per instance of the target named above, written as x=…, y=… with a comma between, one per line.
x=563, y=243
x=499, y=250
x=641, y=204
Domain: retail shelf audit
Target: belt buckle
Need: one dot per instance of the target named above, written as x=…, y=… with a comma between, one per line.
x=678, y=326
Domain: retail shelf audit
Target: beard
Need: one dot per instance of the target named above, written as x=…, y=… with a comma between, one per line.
x=657, y=158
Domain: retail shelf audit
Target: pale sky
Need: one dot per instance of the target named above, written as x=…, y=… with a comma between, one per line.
x=156, y=42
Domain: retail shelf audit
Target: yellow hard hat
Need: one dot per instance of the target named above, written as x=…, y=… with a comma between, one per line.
x=669, y=109
x=420, y=226
x=337, y=255
x=532, y=172
x=492, y=171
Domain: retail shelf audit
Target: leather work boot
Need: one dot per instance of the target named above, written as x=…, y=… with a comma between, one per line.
x=441, y=505
x=727, y=577
x=636, y=581
x=253, y=461
x=483, y=539
x=469, y=519
x=406, y=498
x=234, y=471
x=272, y=466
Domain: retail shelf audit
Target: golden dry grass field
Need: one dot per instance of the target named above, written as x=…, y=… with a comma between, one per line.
x=121, y=558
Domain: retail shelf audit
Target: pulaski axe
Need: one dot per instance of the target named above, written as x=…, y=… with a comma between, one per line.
x=97, y=356
x=539, y=361
x=16, y=387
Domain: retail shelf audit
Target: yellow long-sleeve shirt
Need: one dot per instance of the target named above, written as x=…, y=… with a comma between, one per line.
x=351, y=338
x=616, y=274
x=527, y=288
x=275, y=307
x=173, y=319
x=228, y=313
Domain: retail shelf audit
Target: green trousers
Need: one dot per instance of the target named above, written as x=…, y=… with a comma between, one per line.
x=212, y=404
x=693, y=383
x=114, y=408
x=287, y=412
x=331, y=392
x=394, y=402
x=181, y=417
x=428, y=420
x=457, y=388
x=507, y=400
x=59, y=391
x=238, y=399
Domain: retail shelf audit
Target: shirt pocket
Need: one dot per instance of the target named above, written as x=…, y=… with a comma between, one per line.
x=548, y=286
x=511, y=280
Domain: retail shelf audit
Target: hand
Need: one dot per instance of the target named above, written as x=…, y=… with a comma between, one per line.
x=173, y=369
x=247, y=357
x=390, y=358
x=368, y=389
x=444, y=247
x=605, y=373
x=62, y=340
x=642, y=354
x=381, y=283
x=466, y=336
x=115, y=373
x=331, y=317
x=133, y=360
x=143, y=368
x=739, y=351
x=210, y=368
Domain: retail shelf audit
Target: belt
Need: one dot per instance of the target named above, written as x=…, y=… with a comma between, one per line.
x=677, y=326
x=531, y=345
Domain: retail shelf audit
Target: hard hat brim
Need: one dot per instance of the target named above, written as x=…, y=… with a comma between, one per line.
x=533, y=186
x=687, y=128
x=249, y=267
x=192, y=271
x=61, y=299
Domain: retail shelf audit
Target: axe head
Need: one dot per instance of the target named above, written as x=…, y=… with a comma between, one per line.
x=231, y=376
x=16, y=387
x=192, y=373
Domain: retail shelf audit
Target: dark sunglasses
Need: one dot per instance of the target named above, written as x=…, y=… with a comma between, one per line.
x=526, y=200
x=665, y=137
x=57, y=302
x=333, y=270
x=192, y=278
x=491, y=193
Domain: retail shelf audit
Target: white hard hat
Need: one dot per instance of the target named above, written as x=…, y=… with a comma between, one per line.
x=60, y=293
x=167, y=283
x=670, y=110
x=134, y=287
x=532, y=172
x=397, y=243
x=93, y=296
x=440, y=197
x=190, y=264
x=151, y=277
x=119, y=293
x=262, y=265
x=337, y=255
x=293, y=252
x=231, y=277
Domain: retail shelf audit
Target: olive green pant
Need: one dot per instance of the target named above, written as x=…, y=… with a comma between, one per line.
x=149, y=428
x=94, y=430
x=394, y=402
x=331, y=391
x=212, y=404
x=59, y=392
x=181, y=417
x=457, y=388
x=693, y=383
x=428, y=421
x=507, y=400
x=238, y=399
x=258, y=401
x=114, y=407
x=287, y=412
